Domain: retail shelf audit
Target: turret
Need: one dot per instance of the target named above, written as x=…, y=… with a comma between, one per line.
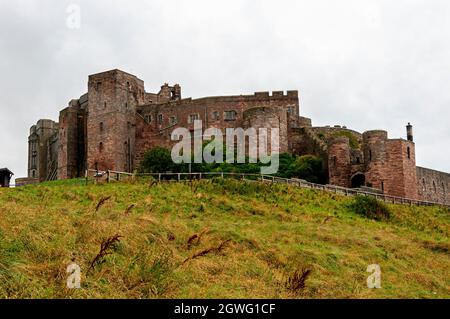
x=409, y=132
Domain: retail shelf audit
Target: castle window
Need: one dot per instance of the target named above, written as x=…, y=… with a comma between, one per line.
x=160, y=118
x=358, y=160
x=230, y=115
x=424, y=185
x=173, y=120
x=434, y=187
x=98, y=86
x=370, y=155
x=104, y=105
x=291, y=110
x=215, y=115
x=334, y=160
x=126, y=105
x=100, y=146
x=148, y=119
x=382, y=186
x=101, y=126
x=33, y=162
x=409, y=152
x=193, y=117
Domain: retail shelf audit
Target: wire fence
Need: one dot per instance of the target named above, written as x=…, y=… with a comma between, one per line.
x=114, y=176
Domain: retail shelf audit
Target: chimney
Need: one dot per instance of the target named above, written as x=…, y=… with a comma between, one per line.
x=409, y=132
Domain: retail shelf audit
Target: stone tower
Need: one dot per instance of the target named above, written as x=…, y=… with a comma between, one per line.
x=41, y=162
x=111, y=121
x=390, y=164
x=339, y=164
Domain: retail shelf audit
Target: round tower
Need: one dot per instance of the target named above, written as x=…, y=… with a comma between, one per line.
x=375, y=157
x=339, y=163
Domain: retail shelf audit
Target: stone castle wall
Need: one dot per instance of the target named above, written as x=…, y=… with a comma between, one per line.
x=155, y=122
x=433, y=185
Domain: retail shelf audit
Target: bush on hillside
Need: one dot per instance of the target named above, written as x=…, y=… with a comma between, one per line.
x=370, y=208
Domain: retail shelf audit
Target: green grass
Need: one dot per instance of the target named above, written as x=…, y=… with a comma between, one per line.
x=274, y=230
x=354, y=143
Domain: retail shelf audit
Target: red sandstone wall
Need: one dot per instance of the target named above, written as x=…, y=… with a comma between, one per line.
x=68, y=143
x=400, y=170
x=389, y=164
x=113, y=103
x=155, y=133
x=339, y=167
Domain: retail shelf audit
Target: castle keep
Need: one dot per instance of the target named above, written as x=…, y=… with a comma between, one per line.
x=116, y=122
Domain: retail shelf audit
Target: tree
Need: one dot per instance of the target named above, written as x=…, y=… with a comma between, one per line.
x=157, y=160
x=310, y=168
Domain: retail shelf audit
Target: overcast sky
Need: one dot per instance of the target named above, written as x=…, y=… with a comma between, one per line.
x=364, y=64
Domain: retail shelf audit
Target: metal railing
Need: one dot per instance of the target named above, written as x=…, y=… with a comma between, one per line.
x=111, y=176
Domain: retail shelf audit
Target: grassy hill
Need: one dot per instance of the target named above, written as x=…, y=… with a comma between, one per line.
x=214, y=239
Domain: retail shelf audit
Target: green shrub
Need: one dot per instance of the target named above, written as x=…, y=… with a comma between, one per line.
x=159, y=160
x=354, y=144
x=370, y=208
x=310, y=168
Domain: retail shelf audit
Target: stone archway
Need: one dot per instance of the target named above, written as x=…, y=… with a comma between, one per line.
x=358, y=180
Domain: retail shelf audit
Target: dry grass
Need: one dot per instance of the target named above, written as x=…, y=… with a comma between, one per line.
x=296, y=282
x=106, y=248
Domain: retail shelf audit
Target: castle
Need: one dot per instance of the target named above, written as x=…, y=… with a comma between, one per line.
x=116, y=121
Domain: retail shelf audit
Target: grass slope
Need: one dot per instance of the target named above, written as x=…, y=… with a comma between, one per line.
x=274, y=230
